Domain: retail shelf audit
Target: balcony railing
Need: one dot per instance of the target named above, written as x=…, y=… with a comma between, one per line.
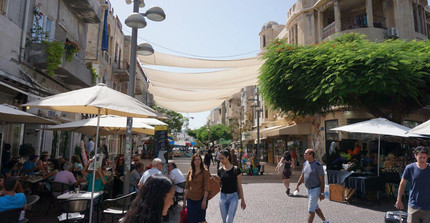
x=329, y=30
x=107, y=57
x=89, y=10
x=73, y=73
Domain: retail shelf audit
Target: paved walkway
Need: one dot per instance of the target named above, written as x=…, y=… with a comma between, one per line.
x=267, y=202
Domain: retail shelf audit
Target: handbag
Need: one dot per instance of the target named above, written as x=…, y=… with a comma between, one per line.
x=213, y=184
x=281, y=168
x=183, y=216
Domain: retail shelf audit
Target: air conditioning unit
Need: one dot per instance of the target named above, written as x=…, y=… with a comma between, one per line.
x=393, y=32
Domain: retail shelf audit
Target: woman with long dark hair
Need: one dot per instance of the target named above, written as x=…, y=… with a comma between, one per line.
x=196, y=190
x=286, y=173
x=152, y=202
x=231, y=187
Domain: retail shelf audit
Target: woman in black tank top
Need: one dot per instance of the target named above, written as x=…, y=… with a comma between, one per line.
x=231, y=187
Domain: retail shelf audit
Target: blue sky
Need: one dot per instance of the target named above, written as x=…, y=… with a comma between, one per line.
x=208, y=29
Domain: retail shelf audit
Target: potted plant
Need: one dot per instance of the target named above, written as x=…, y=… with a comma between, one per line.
x=71, y=48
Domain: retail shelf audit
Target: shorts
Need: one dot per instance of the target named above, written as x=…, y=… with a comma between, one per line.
x=313, y=195
x=286, y=174
x=418, y=215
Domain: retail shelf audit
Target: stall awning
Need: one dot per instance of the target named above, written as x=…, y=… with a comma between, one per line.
x=271, y=131
x=296, y=129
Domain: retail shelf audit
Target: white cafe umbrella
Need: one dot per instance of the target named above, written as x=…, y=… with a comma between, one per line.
x=422, y=129
x=378, y=126
x=98, y=100
x=9, y=115
x=109, y=125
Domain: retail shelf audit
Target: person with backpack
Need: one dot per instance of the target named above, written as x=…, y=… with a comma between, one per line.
x=231, y=187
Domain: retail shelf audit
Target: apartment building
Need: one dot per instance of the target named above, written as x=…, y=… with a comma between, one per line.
x=314, y=21
x=26, y=68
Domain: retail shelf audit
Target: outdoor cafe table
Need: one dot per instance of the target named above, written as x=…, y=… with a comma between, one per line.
x=85, y=195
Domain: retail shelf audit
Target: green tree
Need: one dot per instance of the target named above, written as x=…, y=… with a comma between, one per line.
x=386, y=78
x=174, y=120
x=216, y=132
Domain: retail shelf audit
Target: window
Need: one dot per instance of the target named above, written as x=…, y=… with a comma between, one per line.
x=264, y=41
x=419, y=18
x=42, y=27
x=3, y=6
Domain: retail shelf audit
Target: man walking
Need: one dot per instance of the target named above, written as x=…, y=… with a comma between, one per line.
x=418, y=174
x=313, y=177
x=90, y=145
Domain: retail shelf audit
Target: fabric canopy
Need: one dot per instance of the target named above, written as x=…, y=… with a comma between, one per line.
x=162, y=59
x=197, y=92
x=422, y=129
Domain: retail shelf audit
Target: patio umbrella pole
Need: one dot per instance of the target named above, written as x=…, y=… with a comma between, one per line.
x=379, y=152
x=1, y=146
x=95, y=162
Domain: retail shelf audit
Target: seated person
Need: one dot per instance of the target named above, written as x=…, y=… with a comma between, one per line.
x=12, y=168
x=388, y=163
x=176, y=176
x=10, y=199
x=66, y=176
x=42, y=163
x=100, y=179
x=29, y=166
x=135, y=176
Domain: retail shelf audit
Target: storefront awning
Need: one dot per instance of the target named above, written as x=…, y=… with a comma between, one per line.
x=296, y=129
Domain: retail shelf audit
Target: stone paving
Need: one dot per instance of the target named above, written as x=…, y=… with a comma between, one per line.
x=267, y=202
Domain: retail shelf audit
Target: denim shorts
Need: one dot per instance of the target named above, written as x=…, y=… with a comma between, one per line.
x=313, y=195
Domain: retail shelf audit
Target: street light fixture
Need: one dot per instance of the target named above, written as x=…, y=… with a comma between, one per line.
x=258, y=109
x=135, y=21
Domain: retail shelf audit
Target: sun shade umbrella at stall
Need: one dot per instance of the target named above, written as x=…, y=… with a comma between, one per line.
x=99, y=100
x=9, y=115
x=378, y=126
x=423, y=129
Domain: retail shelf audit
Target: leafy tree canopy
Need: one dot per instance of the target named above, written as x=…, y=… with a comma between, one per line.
x=174, y=120
x=216, y=132
x=391, y=76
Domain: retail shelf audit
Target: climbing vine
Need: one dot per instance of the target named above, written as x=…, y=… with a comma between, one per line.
x=55, y=51
x=94, y=74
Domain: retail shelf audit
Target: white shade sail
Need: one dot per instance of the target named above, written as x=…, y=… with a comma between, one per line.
x=172, y=94
x=197, y=92
x=162, y=59
x=422, y=129
x=109, y=125
x=190, y=106
x=224, y=77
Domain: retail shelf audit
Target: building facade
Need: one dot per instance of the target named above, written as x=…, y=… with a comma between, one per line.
x=311, y=22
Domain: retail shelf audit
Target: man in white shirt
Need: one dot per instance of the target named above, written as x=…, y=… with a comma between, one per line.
x=90, y=145
x=176, y=176
x=157, y=166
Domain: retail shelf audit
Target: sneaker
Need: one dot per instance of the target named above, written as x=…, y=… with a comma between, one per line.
x=326, y=221
x=288, y=192
x=296, y=192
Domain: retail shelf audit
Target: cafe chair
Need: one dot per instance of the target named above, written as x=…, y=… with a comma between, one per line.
x=10, y=216
x=74, y=210
x=57, y=188
x=107, y=192
x=116, y=208
x=31, y=200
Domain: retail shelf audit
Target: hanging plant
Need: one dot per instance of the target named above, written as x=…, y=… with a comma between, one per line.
x=94, y=74
x=71, y=49
x=38, y=34
x=55, y=51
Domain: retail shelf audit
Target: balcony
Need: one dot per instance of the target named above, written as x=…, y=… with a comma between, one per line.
x=73, y=74
x=89, y=10
x=373, y=34
x=121, y=70
x=329, y=30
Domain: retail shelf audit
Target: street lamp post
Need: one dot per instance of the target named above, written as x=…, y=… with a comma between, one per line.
x=136, y=21
x=257, y=110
